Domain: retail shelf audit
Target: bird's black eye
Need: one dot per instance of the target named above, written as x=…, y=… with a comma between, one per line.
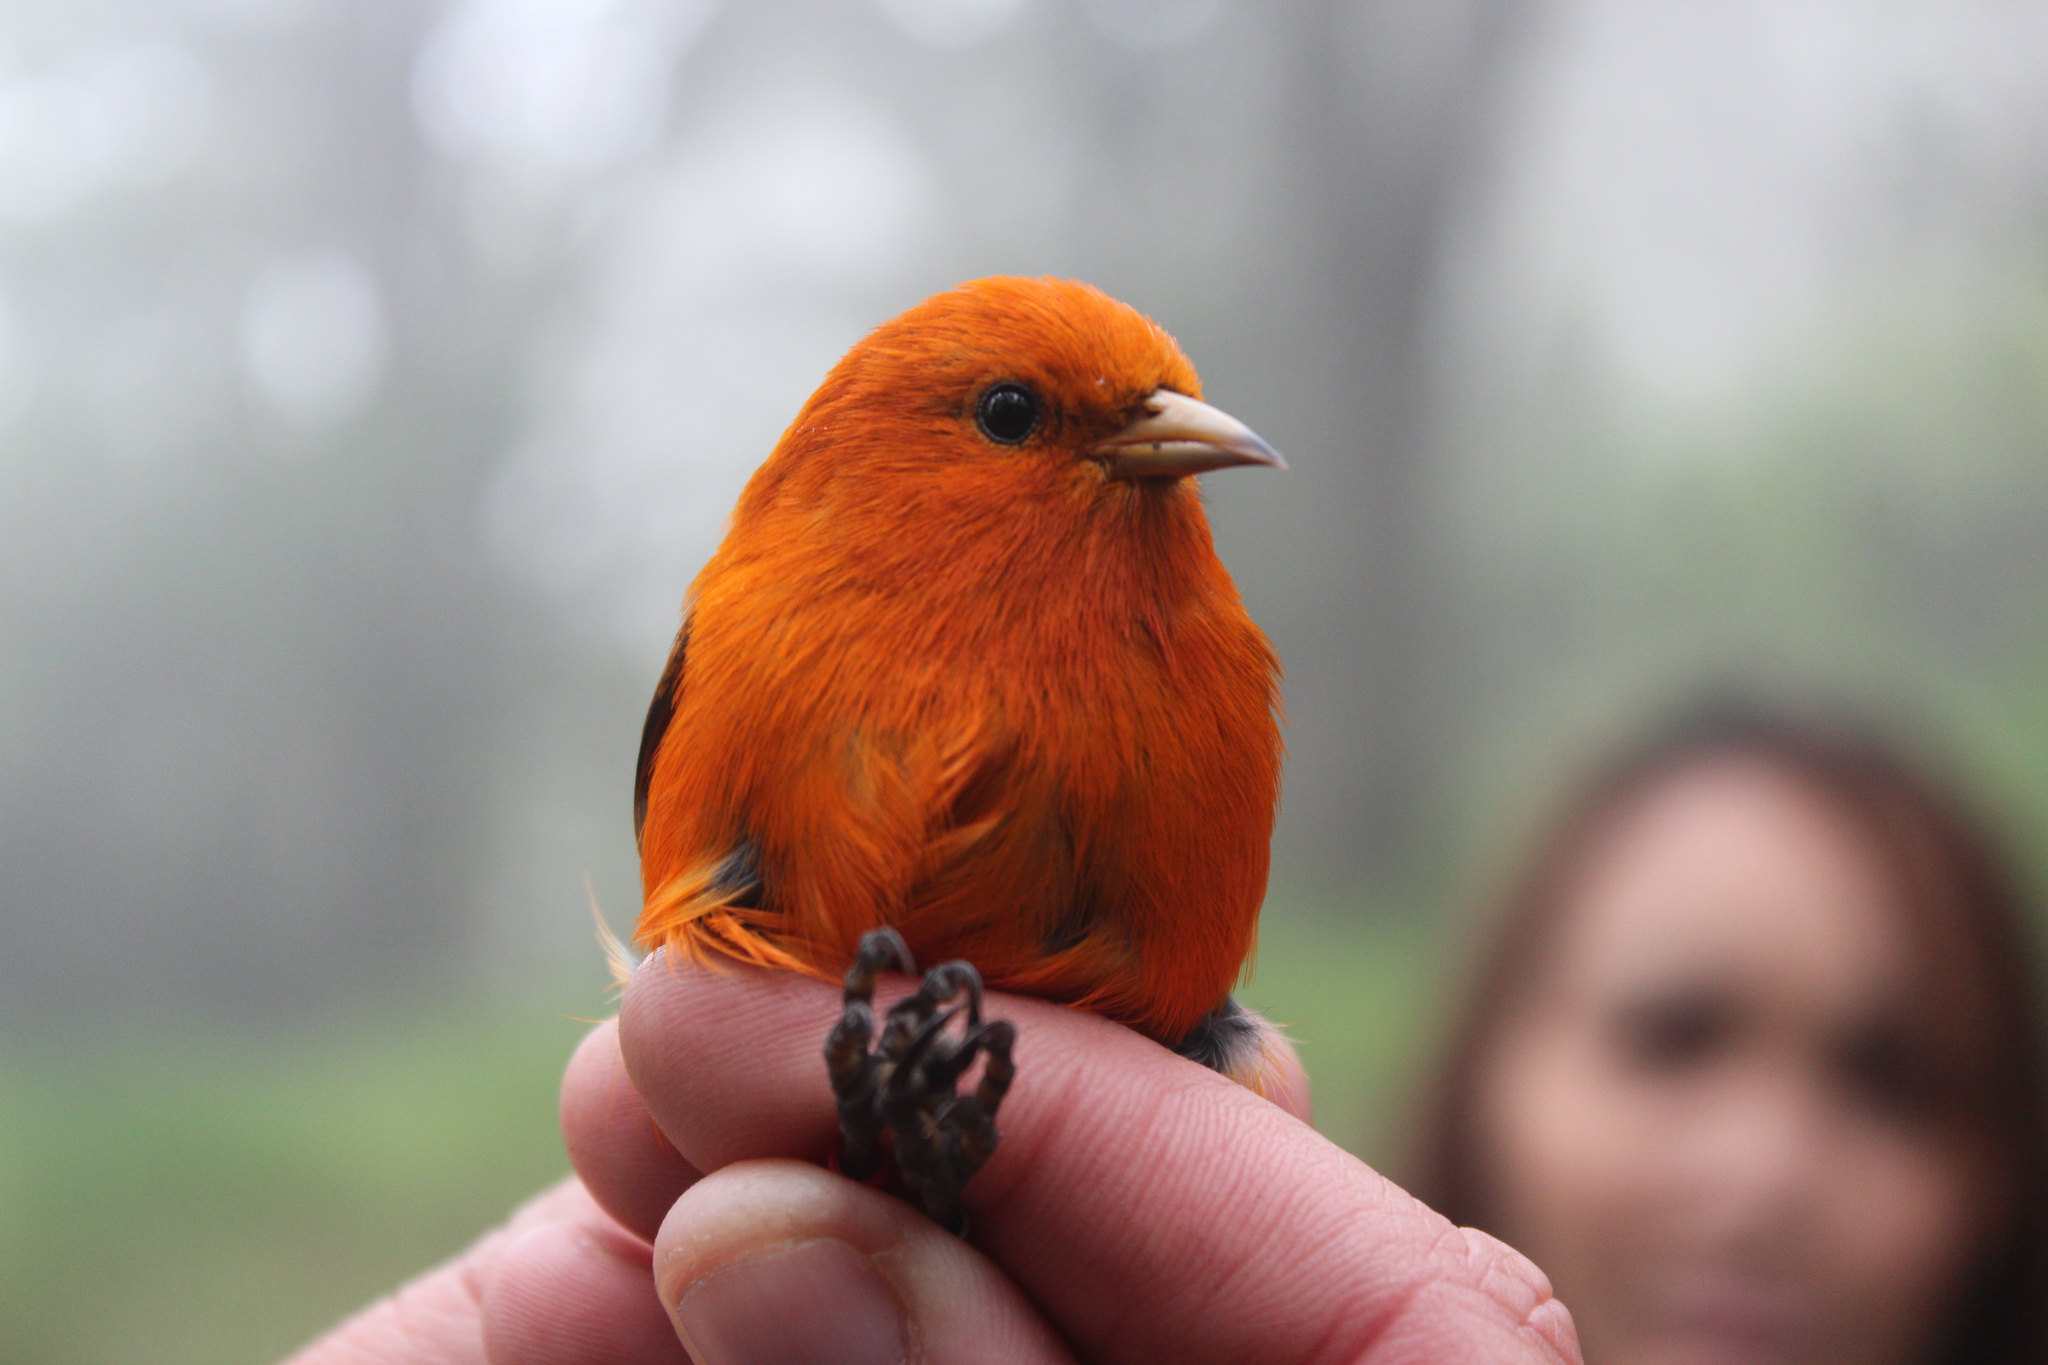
x=1007, y=413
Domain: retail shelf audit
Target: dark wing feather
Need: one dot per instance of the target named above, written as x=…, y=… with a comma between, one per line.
x=660, y=712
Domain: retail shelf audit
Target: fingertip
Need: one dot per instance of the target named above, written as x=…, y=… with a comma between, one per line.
x=621, y=1154
x=729, y=1059
x=777, y=1259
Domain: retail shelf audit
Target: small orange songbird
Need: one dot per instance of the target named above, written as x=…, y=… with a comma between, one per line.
x=967, y=666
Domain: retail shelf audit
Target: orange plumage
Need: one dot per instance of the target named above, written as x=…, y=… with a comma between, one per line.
x=999, y=694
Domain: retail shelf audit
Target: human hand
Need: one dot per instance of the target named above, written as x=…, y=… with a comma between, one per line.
x=1139, y=1208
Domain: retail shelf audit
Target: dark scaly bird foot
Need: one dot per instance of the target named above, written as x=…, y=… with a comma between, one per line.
x=902, y=1084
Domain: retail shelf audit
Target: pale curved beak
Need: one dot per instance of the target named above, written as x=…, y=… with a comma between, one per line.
x=1181, y=435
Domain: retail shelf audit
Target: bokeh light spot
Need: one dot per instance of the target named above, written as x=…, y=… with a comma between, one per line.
x=313, y=336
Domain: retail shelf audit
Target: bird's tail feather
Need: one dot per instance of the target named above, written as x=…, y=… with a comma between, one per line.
x=619, y=959
x=693, y=915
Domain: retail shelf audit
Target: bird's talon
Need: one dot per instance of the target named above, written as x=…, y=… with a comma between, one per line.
x=903, y=1084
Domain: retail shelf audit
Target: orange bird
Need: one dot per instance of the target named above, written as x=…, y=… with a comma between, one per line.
x=967, y=666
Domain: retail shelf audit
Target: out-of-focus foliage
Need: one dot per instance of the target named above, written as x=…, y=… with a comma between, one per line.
x=181, y=1197
x=373, y=377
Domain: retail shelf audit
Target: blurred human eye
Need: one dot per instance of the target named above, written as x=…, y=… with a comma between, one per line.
x=1884, y=1067
x=1673, y=1032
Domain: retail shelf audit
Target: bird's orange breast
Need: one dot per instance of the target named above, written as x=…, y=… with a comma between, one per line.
x=1071, y=786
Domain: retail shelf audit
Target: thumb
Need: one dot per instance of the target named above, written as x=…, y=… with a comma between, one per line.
x=779, y=1262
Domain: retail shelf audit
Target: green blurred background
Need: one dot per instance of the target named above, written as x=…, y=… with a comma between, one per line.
x=373, y=377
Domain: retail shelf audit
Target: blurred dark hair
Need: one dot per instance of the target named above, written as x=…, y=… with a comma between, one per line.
x=1968, y=904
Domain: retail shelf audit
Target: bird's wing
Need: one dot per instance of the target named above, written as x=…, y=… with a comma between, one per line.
x=660, y=712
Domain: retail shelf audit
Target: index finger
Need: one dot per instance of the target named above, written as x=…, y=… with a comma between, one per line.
x=1154, y=1209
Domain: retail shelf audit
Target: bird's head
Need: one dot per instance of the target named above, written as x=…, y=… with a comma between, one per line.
x=1004, y=385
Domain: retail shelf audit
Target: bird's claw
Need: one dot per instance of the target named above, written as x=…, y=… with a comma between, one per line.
x=903, y=1084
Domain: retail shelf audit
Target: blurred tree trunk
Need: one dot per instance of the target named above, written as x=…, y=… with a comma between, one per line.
x=1392, y=110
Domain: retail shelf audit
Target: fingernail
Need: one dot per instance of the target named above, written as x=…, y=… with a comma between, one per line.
x=813, y=1302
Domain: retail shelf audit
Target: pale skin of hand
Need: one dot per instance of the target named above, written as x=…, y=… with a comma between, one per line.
x=1140, y=1208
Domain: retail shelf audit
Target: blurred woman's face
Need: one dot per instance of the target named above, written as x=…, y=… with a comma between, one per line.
x=1712, y=1121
